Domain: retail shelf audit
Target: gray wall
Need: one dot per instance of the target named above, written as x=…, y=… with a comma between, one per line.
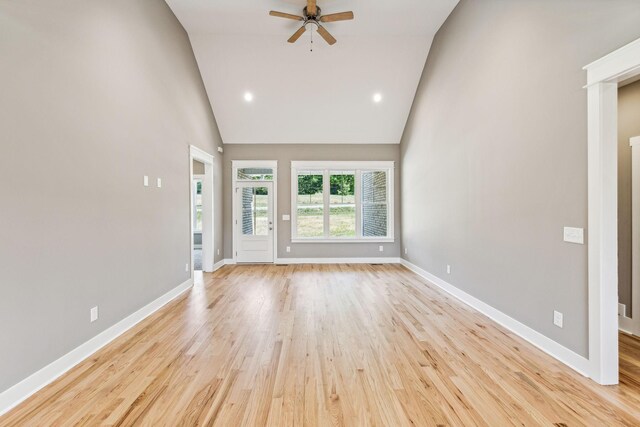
x=628, y=126
x=285, y=153
x=494, y=155
x=95, y=94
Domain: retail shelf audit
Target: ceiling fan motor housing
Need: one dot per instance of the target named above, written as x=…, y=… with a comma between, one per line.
x=307, y=16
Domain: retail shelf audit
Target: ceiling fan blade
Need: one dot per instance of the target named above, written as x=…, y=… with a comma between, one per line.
x=286, y=15
x=312, y=9
x=342, y=16
x=297, y=35
x=326, y=36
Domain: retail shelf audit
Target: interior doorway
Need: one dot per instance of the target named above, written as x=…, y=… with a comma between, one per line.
x=629, y=231
x=629, y=206
x=196, y=208
x=604, y=77
x=201, y=210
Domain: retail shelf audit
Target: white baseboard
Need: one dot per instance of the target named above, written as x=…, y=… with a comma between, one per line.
x=229, y=261
x=568, y=357
x=626, y=324
x=13, y=396
x=379, y=260
x=218, y=265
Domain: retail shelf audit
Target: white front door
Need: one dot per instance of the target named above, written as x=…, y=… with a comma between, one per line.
x=254, y=221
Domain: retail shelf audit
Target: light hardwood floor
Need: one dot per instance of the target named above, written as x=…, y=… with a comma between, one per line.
x=629, y=361
x=323, y=345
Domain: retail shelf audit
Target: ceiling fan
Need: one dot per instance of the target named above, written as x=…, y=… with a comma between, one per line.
x=311, y=19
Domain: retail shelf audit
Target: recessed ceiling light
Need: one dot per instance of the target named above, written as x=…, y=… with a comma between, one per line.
x=248, y=96
x=377, y=97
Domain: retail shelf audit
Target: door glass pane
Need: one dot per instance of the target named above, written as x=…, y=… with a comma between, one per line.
x=342, y=204
x=374, y=204
x=310, y=209
x=255, y=174
x=255, y=205
x=197, y=226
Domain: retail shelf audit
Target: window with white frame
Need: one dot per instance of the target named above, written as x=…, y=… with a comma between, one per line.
x=342, y=201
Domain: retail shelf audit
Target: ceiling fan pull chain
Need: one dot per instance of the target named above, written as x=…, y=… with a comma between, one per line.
x=311, y=41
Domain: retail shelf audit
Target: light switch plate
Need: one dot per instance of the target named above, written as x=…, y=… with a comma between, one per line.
x=159, y=182
x=286, y=218
x=94, y=314
x=622, y=310
x=574, y=235
x=558, y=319
x=146, y=181
x=288, y=248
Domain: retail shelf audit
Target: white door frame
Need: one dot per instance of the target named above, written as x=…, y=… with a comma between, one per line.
x=603, y=77
x=237, y=164
x=207, y=208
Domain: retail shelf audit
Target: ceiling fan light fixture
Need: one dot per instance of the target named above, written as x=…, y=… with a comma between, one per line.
x=248, y=96
x=311, y=25
x=377, y=97
x=312, y=17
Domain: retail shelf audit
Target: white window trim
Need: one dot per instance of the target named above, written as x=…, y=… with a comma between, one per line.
x=358, y=167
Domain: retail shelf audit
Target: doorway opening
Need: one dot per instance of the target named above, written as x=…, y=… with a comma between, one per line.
x=629, y=230
x=201, y=210
x=604, y=78
x=198, y=180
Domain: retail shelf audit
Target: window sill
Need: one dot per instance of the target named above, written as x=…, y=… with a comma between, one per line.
x=375, y=240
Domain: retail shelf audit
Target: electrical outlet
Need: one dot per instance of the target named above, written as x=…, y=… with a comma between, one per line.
x=145, y=181
x=448, y=269
x=286, y=217
x=159, y=182
x=622, y=310
x=406, y=251
x=558, y=319
x=381, y=248
x=288, y=248
x=94, y=314
x=186, y=267
x=218, y=251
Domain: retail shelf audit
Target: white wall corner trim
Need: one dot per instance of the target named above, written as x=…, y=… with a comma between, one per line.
x=578, y=363
x=373, y=260
x=13, y=396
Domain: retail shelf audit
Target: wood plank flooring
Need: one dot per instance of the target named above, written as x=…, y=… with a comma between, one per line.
x=629, y=360
x=322, y=345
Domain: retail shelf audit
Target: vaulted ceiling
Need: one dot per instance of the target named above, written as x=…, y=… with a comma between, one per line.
x=299, y=96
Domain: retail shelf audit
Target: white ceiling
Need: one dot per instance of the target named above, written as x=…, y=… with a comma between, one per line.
x=324, y=96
